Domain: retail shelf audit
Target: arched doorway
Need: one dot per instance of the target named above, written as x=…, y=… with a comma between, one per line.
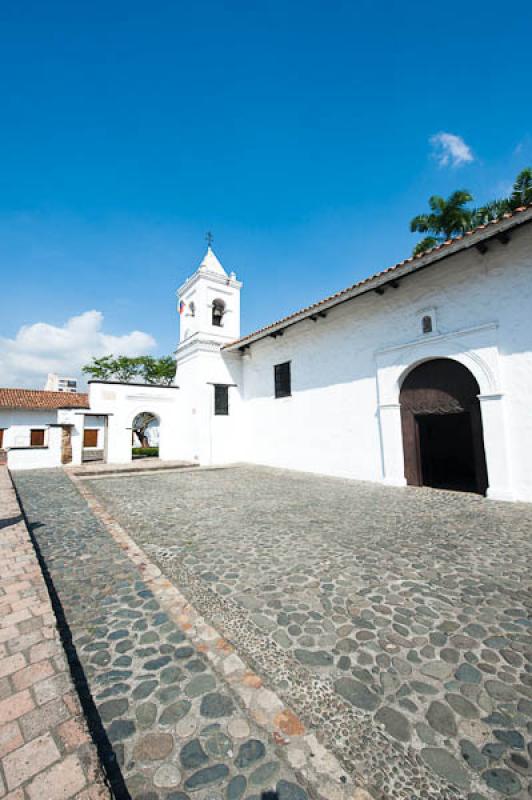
x=443, y=442
x=145, y=432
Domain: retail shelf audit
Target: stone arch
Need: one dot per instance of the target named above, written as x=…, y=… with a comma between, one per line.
x=473, y=362
x=443, y=443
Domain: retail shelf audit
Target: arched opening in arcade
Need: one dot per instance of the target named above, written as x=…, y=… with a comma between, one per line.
x=443, y=441
x=145, y=435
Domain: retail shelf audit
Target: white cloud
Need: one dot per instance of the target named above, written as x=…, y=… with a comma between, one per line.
x=449, y=149
x=41, y=348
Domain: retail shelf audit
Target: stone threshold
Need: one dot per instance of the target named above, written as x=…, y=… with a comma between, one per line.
x=110, y=469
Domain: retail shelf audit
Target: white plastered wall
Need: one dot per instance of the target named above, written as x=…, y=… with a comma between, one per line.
x=121, y=402
x=207, y=438
x=343, y=416
x=17, y=424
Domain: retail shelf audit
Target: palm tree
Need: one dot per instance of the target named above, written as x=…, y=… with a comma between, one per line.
x=446, y=218
x=522, y=191
x=492, y=210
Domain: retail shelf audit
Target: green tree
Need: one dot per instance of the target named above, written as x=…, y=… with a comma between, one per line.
x=446, y=218
x=492, y=210
x=158, y=370
x=126, y=368
x=100, y=368
x=522, y=189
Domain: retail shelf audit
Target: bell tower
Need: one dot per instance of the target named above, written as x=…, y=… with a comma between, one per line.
x=209, y=313
x=209, y=304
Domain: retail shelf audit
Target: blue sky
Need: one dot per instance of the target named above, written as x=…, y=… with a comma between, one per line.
x=299, y=133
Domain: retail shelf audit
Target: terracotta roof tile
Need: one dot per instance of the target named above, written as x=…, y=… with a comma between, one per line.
x=35, y=399
x=425, y=257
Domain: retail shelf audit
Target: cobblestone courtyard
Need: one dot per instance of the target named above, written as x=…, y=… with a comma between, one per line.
x=411, y=606
x=394, y=623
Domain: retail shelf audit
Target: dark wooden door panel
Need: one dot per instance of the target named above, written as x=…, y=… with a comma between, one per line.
x=90, y=437
x=37, y=438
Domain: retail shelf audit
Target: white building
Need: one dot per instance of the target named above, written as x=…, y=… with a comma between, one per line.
x=39, y=428
x=56, y=383
x=421, y=374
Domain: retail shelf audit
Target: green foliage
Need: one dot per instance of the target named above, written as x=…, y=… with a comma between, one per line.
x=452, y=217
x=493, y=210
x=158, y=370
x=522, y=191
x=447, y=217
x=126, y=368
x=425, y=244
x=100, y=368
x=145, y=452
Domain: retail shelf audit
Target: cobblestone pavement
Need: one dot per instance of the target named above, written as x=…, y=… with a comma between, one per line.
x=173, y=724
x=46, y=752
x=395, y=622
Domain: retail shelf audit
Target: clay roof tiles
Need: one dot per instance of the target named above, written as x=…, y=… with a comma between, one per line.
x=40, y=399
x=456, y=244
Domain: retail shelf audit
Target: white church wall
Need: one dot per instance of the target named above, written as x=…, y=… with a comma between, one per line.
x=207, y=438
x=331, y=424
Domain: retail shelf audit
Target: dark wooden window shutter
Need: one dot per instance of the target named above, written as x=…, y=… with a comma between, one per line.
x=37, y=437
x=283, y=383
x=90, y=437
x=221, y=400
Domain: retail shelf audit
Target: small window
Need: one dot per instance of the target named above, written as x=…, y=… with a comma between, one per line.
x=90, y=437
x=37, y=437
x=283, y=382
x=218, y=311
x=221, y=400
x=192, y=309
x=426, y=324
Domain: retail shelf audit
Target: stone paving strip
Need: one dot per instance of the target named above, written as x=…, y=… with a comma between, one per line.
x=395, y=623
x=46, y=752
x=176, y=727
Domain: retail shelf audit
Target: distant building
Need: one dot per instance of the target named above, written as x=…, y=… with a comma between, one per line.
x=56, y=384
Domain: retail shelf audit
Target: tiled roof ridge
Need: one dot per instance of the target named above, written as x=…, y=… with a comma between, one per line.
x=41, y=399
x=315, y=306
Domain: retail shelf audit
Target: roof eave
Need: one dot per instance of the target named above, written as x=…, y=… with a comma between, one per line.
x=413, y=264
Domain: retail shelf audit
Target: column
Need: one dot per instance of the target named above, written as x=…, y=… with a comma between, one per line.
x=495, y=445
x=392, y=444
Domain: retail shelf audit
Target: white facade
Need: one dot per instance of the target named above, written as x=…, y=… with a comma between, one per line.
x=343, y=415
x=204, y=436
x=119, y=404
x=349, y=356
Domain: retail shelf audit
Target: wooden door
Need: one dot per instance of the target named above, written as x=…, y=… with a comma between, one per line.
x=440, y=386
